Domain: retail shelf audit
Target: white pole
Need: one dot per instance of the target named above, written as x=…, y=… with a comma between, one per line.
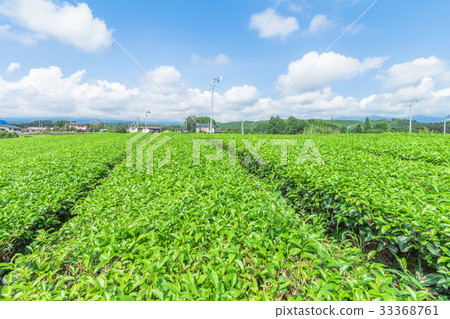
x=242, y=127
x=146, y=113
x=214, y=80
x=348, y=127
x=410, y=115
x=410, y=118
x=212, y=107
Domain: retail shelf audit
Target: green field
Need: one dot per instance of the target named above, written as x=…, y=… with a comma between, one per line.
x=335, y=217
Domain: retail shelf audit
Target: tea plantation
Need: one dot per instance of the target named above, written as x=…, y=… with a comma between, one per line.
x=225, y=217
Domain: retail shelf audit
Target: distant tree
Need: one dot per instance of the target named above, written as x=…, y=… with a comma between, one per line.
x=4, y=134
x=46, y=123
x=367, y=126
x=382, y=127
x=98, y=126
x=60, y=124
x=262, y=127
x=294, y=126
x=276, y=125
x=358, y=129
x=120, y=129
x=172, y=128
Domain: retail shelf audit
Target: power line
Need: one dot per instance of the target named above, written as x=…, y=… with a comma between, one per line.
x=134, y=60
x=318, y=59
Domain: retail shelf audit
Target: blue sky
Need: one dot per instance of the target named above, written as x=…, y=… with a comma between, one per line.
x=57, y=60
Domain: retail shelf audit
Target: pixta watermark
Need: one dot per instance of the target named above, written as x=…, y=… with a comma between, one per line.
x=140, y=151
x=142, y=147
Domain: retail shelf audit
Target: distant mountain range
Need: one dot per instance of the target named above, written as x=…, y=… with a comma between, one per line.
x=417, y=118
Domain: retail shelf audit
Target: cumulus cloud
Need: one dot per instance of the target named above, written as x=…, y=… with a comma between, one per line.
x=325, y=103
x=319, y=23
x=442, y=93
x=74, y=25
x=242, y=94
x=396, y=104
x=412, y=72
x=47, y=92
x=317, y=73
x=14, y=66
x=219, y=59
x=165, y=75
x=270, y=24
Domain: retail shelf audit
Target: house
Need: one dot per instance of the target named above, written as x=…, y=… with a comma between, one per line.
x=152, y=130
x=79, y=126
x=204, y=128
x=155, y=129
x=10, y=128
x=35, y=129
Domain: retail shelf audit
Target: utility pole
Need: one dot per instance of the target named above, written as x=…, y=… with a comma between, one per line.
x=445, y=125
x=214, y=80
x=146, y=113
x=410, y=114
x=348, y=127
x=137, y=124
x=242, y=127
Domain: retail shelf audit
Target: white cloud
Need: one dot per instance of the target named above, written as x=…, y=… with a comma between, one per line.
x=295, y=8
x=165, y=75
x=356, y=29
x=14, y=66
x=317, y=73
x=442, y=93
x=410, y=73
x=219, y=59
x=270, y=24
x=319, y=23
x=242, y=94
x=422, y=91
x=396, y=104
x=23, y=38
x=46, y=92
x=325, y=103
x=291, y=6
x=45, y=19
